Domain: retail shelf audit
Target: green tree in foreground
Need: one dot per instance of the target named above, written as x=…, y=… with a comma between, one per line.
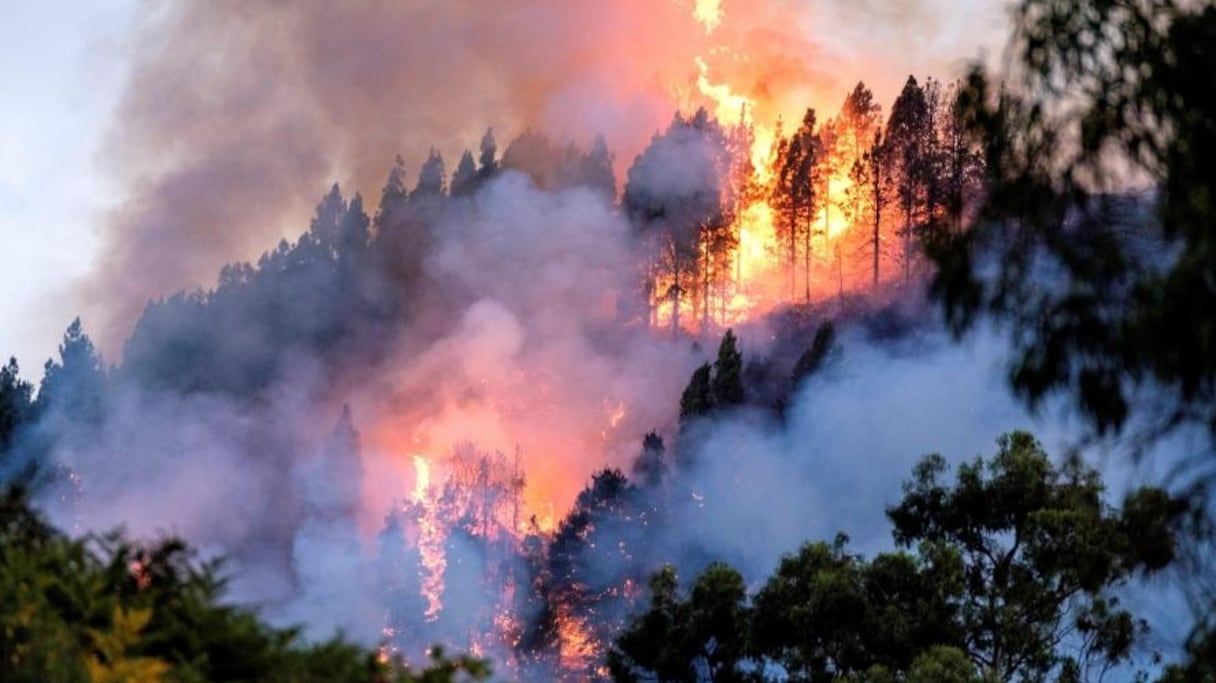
x=103, y=609
x=1038, y=551
x=687, y=638
x=1008, y=575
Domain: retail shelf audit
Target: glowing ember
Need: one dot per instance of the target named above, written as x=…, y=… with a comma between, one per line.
x=579, y=648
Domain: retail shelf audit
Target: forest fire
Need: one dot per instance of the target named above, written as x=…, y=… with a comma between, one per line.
x=792, y=208
x=623, y=389
x=512, y=338
x=774, y=214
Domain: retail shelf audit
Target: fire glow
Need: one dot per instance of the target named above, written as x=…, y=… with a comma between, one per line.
x=463, y=495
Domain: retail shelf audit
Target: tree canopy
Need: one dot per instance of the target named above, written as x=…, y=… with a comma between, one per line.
x=1008, y=573
x=1104, y=98
x=106, y=609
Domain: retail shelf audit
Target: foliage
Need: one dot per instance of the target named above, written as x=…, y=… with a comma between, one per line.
x=714, y=387
x=106, y=609
x=74, y=387
x=1039, y=550
x=16, y=405
x=650, y=468
x=816, y=354
x=826, y=612
x=687, y=638
x=794, y=196
x=1105, y=96
x=726, y=386
x=677, y=198
x=590, y=559
x=1008, y=575
x=431, y=177
x=1098, y=141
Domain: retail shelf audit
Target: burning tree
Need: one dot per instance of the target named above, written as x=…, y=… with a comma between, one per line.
x=906, y=137
x=592, y=574
x=677, y=195
x=795, y=198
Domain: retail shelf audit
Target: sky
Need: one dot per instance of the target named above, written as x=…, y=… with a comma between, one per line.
x=61, y=70
x=66, y=69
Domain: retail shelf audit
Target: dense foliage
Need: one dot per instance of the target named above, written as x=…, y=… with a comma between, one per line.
x=1098, y=142
x=1010, y=573
x=105, y=609
x=1105, y=97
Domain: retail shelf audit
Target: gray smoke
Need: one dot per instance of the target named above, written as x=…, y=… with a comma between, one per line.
x=236, y=114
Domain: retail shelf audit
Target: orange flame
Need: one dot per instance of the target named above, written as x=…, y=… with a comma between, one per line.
x=431, y=538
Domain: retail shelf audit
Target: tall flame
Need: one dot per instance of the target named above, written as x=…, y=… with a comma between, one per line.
x=422, y=477
x=432, y=535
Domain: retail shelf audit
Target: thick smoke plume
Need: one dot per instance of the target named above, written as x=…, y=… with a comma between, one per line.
x=236, y=114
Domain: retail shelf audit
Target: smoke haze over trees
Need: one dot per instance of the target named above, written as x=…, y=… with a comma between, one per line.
x=311, y=93
x=504, y=391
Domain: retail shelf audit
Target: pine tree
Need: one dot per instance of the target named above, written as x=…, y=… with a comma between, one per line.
x=813, y=358
x=597, y=171
x=697, y=399
x=16, y=403
x=871, y=176
x=430, y=177
x=326, y=225
x=859, y=118
x=354, y=233
x=650, y=468
x=726, y=386
x=673, y=212
x=392, y=198
x=905, y=140
x=75, y=386
x=464, y=178
x=794, y=195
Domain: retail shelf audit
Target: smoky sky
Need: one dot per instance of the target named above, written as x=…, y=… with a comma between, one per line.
x=237, y=116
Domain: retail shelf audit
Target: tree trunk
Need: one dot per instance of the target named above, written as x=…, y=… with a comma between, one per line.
x=907, y=241
x=877, y=233
x=705, y=283
x=793, y=254
x=677, y=292
x=806, y=254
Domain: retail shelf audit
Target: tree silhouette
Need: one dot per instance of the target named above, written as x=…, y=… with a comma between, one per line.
x=906, y=135
x=464, y=178
x=431, y=177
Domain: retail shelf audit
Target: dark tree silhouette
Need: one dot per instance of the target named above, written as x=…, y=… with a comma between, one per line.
x=465, y=177
x=906, y=135
x=431, y=177
x=673, y=197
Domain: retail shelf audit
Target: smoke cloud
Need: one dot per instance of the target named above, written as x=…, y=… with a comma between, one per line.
x=236, y=115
